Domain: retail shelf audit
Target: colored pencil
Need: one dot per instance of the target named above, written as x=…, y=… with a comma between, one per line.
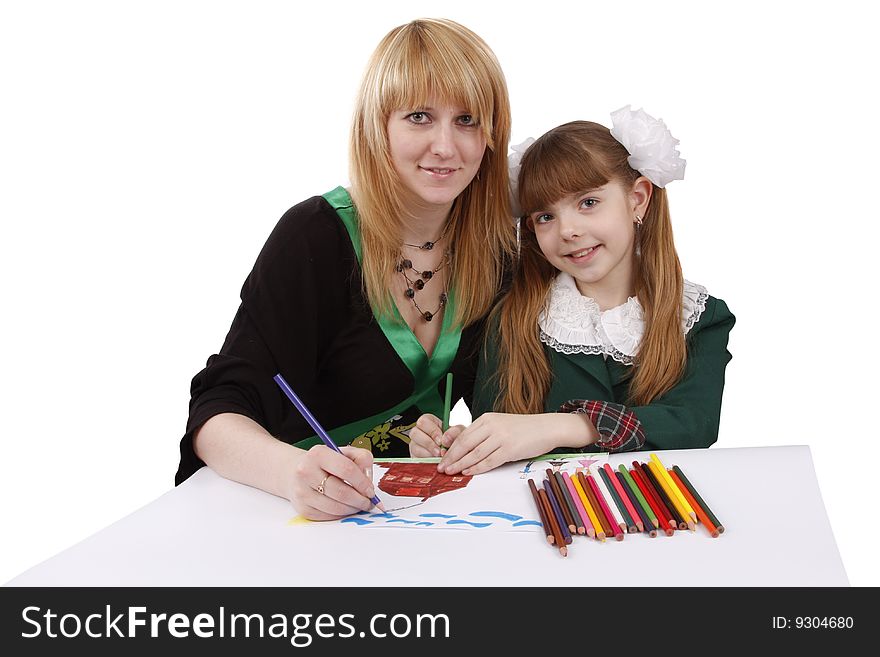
x=681, y=516
x=667, y=524
x=544, y=522
x=675, y=520
x=699, y=499
x=672, y=493
x=621, y=515
x=621, y=493
x=554, y=526
x=595, y=529
x=582, y=521
x=569, y=503
x=701, y=514
x=315, y=425
x=674, y=488
x=607, y=527
x=557, y=511
x=636, y=491
x=600, y=499
x=560, y=499
x=646, y=524
x=447, y=402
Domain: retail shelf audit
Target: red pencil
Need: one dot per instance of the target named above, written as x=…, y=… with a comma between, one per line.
x=544, y=523
x=666, y=520
x=658, y=514
x=612, y=477
x=618, y=532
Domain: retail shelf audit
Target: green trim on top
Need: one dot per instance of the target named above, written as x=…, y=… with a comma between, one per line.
x=427, y=372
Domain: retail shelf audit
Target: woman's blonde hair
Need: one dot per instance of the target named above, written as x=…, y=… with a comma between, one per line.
x=424, y=58
x=571, y=159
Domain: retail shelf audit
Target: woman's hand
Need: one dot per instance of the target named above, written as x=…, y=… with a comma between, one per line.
x=427, y=439
x=318, y=488
x=497, y=438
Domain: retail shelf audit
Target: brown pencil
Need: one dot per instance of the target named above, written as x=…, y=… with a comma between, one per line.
x=542, y=513
x=557, y=533
x=597, y=508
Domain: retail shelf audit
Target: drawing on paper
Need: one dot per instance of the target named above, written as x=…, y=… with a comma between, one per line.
x=419, y=480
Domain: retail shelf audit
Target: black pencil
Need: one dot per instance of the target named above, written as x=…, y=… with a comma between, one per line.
x=563, y=507
x=578, y=525
x=680, y=522
x=615, y=496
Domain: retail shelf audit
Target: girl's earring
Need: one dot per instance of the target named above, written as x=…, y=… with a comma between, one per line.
x=638, y=236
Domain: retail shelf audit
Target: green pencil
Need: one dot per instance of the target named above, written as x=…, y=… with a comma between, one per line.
x=447, y=402
x=699, y=499
x=638, y=494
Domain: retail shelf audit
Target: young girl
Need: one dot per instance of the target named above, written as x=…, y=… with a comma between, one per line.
x=600, y=344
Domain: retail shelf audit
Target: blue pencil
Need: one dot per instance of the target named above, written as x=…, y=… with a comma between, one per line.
x=563, y=526
x=316, y=427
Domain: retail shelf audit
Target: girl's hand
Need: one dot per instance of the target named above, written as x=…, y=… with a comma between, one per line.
x=427, y=438
x=318, y=489
x=497, y=438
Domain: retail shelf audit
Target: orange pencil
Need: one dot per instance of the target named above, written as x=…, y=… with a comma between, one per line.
x=696, y=507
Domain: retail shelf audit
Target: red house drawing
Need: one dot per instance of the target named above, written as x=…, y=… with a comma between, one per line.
x=419, y=480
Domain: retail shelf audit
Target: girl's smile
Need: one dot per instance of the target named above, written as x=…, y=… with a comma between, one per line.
x=583, y=256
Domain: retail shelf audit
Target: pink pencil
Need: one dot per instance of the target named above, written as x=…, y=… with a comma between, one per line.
x=618, y=532
x=585, y=521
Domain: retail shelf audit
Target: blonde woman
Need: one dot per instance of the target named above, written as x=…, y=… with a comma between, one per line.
x=364, y=298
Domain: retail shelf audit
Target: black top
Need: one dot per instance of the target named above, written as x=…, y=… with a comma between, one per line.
x=303, y=313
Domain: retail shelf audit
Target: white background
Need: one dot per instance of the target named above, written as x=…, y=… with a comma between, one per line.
x=147, y=149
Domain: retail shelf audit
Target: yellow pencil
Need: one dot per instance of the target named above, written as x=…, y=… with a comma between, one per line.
x=673, y=498
x=597, y=530
x=675, y=489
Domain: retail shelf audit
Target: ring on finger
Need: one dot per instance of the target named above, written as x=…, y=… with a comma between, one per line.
x=320, y=487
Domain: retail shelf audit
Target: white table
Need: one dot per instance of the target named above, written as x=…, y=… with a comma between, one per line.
x=214, y=532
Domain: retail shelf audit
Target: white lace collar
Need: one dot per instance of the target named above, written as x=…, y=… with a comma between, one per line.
x=574, y=324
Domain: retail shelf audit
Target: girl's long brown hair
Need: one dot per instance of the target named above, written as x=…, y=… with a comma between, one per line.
x=413, y=62
x=570, y=159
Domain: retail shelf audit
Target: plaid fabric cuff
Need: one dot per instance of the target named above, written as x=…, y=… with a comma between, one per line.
x=619, y=429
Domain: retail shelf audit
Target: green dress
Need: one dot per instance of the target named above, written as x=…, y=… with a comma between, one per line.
x=590, y=354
